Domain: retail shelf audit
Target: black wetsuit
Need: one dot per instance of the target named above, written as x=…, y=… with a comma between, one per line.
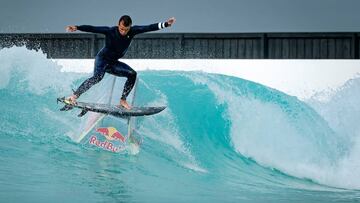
x=115, y=47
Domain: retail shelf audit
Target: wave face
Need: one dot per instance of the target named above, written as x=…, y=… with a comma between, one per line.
x=221, y=139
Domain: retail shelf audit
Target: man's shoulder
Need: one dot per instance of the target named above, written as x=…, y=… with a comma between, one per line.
x=112, y=29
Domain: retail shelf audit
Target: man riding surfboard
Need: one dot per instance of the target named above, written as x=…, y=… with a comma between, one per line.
x=117, y=42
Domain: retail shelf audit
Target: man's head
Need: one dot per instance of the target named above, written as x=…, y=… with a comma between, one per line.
x=124, y=24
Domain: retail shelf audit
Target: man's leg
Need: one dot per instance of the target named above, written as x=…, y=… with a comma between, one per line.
x=87, y=84
x=121, y=69
x=99, y=72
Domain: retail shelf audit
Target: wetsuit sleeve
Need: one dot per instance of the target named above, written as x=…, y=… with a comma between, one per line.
x=138, y=29
x=93, y=29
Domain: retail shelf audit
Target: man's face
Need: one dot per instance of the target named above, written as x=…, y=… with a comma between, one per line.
x=123, y=29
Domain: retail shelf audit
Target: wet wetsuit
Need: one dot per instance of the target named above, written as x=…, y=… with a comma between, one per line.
x=115, y=47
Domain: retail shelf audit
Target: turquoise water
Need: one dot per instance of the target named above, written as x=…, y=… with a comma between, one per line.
x=221, y=139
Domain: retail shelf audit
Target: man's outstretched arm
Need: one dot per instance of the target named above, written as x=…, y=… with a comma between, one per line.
x=88, y=28
x=153, y=27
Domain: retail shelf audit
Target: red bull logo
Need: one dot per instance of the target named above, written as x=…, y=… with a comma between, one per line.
x=111, y=135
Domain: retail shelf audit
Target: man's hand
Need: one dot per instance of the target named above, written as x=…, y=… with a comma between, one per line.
x=171, y=21
x=71, y=28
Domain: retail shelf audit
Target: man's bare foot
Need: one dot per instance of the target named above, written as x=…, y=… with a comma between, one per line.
x=71, y=100
x=124, y=104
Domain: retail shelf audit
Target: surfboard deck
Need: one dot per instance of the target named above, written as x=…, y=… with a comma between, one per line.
x=109, y=109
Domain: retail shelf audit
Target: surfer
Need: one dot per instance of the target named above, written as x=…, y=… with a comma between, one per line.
x=117, y=42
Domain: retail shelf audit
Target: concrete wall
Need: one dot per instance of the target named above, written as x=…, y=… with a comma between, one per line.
x=199, y=45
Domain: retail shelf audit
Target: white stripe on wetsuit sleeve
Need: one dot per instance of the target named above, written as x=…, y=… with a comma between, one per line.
x=161, y=25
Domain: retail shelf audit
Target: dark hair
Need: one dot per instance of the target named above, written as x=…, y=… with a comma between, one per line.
x=126, y=20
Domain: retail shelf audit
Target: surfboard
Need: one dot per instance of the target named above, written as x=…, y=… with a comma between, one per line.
x=109, y=109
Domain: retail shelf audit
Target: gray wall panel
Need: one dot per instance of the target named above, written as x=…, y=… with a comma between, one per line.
x=199, y=45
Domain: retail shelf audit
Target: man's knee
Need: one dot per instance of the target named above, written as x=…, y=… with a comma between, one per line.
x=133, y=74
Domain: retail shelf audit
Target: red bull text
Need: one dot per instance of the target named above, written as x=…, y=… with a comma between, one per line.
x=114, y=140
